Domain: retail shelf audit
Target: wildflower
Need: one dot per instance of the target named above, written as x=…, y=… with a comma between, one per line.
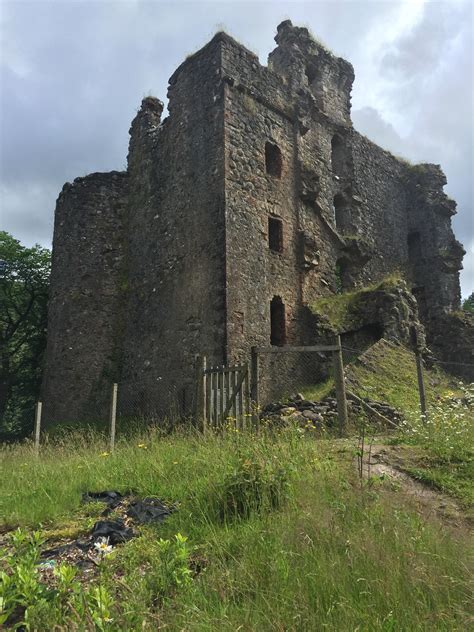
x=142, y=445
x=102, y=546
x=104, y=454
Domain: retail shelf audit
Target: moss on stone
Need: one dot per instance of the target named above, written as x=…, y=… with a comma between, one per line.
x=346, y=311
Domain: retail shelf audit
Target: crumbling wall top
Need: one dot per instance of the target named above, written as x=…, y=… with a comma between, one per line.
x=306, y=63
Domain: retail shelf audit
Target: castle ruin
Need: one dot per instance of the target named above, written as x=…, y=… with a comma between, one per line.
x=251, y=199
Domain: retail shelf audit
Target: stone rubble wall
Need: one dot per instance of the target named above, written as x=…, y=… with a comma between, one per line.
x=85, y=305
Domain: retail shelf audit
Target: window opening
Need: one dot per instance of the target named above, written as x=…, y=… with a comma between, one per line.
x=275, y=234
x=340, y=212
x=273, y=160
x=311, y=72
x=337, y=155
x=339, y=273
x=414, y=246
x=277, y=322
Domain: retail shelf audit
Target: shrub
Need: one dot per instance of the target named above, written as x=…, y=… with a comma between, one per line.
x=253, y=486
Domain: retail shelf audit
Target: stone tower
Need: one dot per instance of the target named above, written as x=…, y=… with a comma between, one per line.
x=253, y=198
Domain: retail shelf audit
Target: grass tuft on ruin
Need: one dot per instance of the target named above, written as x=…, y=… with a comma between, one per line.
x=346, y=311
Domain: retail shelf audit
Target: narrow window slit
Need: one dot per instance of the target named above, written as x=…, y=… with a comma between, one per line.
x=275, y=234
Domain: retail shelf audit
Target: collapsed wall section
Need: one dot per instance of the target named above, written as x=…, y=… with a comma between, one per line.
x=434, y=255
x=84, y=314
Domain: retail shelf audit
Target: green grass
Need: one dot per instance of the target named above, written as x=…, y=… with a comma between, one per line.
x=445, y=441
x=453, y=478
x=346, y=311
x=387, y=372
x=319, y=391
x=315, y=550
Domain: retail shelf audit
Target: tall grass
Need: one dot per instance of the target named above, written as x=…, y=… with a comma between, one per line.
x=326, y=554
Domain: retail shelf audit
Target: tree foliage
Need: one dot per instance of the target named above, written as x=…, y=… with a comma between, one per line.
x=24, y=280
x=468, y=303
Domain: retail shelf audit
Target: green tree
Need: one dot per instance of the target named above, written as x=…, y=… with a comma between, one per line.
x=24, y=280
x=468, y=304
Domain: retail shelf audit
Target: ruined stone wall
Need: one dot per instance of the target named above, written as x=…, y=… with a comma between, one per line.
x=280, y=105
x=255, y=273
x=85, y=306
x=254, y=195
x=382, y=193
x=435, y=256
x=176, y=242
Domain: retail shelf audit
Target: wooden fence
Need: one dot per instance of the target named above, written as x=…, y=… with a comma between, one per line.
x=223, y=394
x=232, y=392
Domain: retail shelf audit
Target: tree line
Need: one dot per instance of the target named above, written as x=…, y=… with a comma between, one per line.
x=24, y=282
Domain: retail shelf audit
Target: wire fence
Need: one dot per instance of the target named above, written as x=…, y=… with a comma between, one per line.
x=285, y=373
x=147, y=403
x=274, y=374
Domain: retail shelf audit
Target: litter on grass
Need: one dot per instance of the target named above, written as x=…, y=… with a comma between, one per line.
x=128, y=510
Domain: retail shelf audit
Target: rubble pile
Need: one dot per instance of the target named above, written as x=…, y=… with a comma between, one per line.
x=297, y=409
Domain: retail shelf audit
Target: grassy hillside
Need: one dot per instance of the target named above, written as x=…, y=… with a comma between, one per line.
x=387, y=372
x=281, y=535
x=441, y=450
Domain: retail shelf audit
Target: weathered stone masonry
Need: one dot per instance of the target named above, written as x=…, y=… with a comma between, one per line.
x=253, y=198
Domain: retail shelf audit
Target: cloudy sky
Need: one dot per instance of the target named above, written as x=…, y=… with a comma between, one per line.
x=73, y=74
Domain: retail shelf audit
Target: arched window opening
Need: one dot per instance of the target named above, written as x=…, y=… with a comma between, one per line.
x=277, y=322
x=337, y=155
x=273, y=160
x=414, y=246
x=341, y=212
x=275, y=234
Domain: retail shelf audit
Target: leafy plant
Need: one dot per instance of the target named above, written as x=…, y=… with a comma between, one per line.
x=27, y=602
x=468, y=304
x=447, y=429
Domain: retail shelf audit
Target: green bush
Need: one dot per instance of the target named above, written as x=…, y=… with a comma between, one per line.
x=253, y=486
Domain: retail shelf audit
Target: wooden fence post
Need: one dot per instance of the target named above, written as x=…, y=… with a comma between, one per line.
x=421, y=384
x=113, y=416
x=255, y=379
x=39, y=408
x=419, y=370
x=340, y=387
x=200, y=407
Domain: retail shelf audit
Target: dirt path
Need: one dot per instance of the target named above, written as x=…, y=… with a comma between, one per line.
x=387, y=460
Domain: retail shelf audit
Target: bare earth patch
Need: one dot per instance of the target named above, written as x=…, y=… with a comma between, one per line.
x=388, y=461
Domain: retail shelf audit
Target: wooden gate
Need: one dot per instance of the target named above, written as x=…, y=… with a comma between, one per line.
x=223, y=395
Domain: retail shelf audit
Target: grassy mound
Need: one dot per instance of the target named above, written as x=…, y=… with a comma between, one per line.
x=387, y=372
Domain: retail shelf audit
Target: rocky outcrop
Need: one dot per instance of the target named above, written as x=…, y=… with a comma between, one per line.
x=362, y=317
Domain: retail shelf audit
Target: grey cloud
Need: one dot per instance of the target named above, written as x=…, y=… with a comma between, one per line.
x=73, y=75
x=422, y=49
